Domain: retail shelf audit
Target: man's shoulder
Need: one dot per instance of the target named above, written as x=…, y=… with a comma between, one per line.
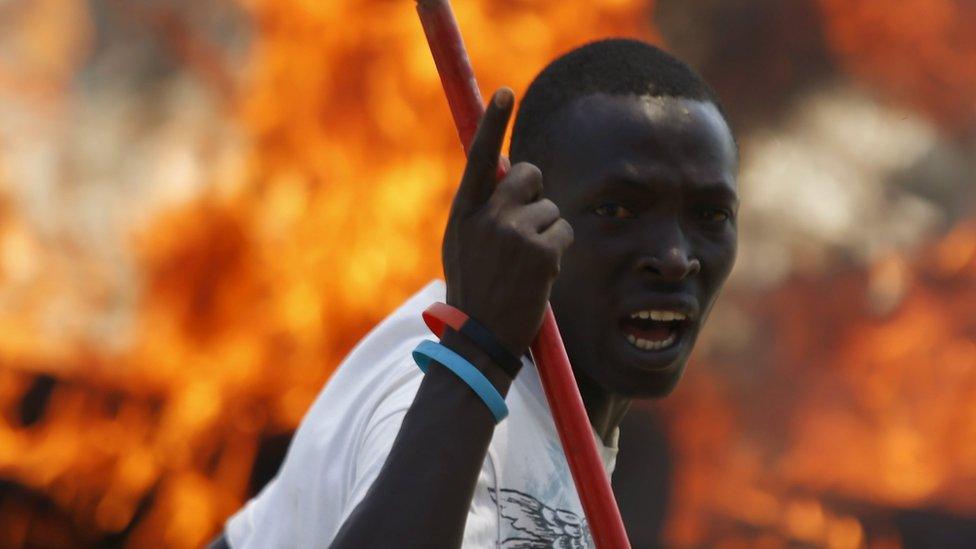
x=407, y=317
x=361, y=402
x=381, y=362
x=383, y=345
x=377, y=379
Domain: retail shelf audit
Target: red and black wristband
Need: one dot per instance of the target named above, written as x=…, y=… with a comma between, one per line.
x=439, y=315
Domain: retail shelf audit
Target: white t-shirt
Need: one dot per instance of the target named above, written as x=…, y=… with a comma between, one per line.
x=525, y=495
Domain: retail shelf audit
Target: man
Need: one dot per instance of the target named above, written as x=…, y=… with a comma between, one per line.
x=620, y=210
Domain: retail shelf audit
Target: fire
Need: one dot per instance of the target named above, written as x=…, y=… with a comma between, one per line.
x=328, y=212
x=869, y=407
x=919, y=51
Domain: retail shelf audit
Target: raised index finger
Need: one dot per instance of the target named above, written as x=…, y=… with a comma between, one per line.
x=478, y=181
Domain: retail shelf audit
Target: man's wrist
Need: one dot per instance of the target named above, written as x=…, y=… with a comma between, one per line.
x=479, y=358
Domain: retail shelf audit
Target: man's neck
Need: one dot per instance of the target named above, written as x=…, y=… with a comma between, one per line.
x=605, y=410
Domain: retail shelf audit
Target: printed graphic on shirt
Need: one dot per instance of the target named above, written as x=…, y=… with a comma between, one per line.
x=532, y=524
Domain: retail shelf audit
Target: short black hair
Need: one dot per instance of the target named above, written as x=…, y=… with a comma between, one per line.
x=614, y=66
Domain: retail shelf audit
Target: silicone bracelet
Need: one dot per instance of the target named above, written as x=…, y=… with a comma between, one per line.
x=428, y=350
x=439, y=315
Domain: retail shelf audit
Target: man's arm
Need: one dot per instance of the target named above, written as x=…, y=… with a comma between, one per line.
x=420, y=497
x=501, y=254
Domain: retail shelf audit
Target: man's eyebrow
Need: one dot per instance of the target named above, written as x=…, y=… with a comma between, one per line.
x=717, y=189
x=622, y=183
x=642, y=182
x=651, y=182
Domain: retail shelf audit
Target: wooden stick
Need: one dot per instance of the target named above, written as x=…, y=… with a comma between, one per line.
x=569, y=414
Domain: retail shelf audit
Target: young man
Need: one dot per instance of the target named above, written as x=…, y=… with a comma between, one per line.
x=620, y=210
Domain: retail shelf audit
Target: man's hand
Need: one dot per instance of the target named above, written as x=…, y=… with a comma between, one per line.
x=503, y=243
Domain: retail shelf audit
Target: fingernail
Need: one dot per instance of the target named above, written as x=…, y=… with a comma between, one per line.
x=503, y=98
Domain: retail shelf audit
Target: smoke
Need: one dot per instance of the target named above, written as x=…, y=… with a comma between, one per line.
x=820, y=186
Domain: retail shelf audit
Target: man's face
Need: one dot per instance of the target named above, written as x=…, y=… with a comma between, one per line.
x=648, y=184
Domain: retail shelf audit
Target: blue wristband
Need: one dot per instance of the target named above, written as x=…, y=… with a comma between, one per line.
x=429, y=350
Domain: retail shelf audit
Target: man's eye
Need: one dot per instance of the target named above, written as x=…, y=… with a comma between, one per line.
x=613, y=210
x=714, y=215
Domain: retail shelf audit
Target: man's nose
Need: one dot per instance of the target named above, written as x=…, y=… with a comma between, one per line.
x=673, y=262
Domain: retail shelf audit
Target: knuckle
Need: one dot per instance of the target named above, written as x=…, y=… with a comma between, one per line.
x=509, y=228
x=524, y=181
x=508, y=184
x=531, y=171
x=528, y=174
x=513, y=227
x=527, y=169
x=536, y=182
x=568, y=231
x=550, y=208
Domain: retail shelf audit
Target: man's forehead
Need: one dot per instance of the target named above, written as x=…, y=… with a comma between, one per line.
x=603, y=113
x=691, y=137
x=656, y=108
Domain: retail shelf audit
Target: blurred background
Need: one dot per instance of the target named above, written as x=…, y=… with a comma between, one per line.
x=205, y=204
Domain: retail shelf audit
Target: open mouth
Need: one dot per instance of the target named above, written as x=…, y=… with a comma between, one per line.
x=654, y=329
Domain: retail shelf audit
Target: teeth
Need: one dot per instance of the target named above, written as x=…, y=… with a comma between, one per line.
x=655, y=314
x=649, y=345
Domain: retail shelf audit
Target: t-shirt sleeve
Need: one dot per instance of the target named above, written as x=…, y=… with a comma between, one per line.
x=303, y=507
x=334, y=457
x=377, y=443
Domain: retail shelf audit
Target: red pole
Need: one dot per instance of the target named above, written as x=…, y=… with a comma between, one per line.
x=556, y=374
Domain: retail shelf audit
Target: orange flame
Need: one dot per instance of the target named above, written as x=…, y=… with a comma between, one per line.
x=918, y=51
